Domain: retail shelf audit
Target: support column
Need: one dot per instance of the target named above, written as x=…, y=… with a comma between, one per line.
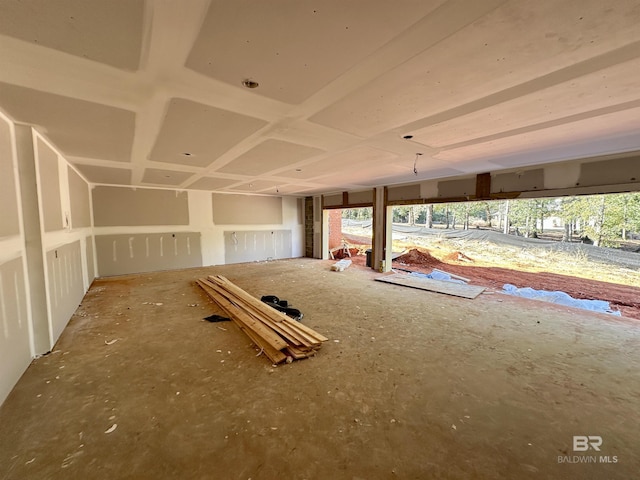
x=382, y=241
x=37, y=295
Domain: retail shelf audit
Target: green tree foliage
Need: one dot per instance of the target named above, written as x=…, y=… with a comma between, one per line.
x=604, y=219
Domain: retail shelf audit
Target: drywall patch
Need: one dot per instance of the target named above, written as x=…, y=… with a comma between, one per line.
x=429, y=189
x=9, y=223
x=561, y=176
x=457, y=188
x=405, y=192
x=65, y=284
x=147, y=252
x=91, y=274
x=334, y=200
x=359, y=198
x=125, y=206
x=15, y=351
x=246, y=210
x=610, y=172
x=49, y=186
x=518, y=181
x=79, y=199
x=256, y=245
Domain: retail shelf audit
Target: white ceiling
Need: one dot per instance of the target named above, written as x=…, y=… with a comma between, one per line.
x=139, y=92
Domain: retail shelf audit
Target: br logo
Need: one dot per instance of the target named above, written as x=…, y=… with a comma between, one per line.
x=582, y=443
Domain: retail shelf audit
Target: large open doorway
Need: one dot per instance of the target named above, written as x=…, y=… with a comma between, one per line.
x=588, y=246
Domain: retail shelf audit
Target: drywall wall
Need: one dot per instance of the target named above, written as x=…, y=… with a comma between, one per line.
x=246, y=210
x=193, y=230
x=90, y=259
x=65, y=218
x=79, y=200
x=15, y=336
x=9, y=220
x=256, y=245
x=49, y=187
x=65, y=284
x=122, y=206
x=146, y=252
x=15, y=341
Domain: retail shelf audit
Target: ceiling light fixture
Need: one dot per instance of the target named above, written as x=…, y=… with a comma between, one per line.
x=248, y=83
x=415, y=164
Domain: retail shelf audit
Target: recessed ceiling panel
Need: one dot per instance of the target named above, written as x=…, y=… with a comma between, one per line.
x=164, y=177
x=516, y=45
x=592, y=95
x=76, y=127
x=196, y=134
x=258, y=186
x=365, y=158
x=209, y=183
x=105, y=31
x=113, y=176
x=269, y=155
x=292, y=48
x=604, y=134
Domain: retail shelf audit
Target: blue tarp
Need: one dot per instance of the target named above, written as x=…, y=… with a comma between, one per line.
x=436, y=275
x=561, y=298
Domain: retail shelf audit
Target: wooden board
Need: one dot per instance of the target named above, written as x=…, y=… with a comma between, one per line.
x=439, y=286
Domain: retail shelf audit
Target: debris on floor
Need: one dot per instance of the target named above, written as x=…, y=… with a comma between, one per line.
x=561, y=298
x=216, y=318
x=341, y=265
x=282, y=306
x=279, y=337
x=439, y=286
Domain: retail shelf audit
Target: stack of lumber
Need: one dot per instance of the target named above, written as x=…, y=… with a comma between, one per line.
x=278, y=336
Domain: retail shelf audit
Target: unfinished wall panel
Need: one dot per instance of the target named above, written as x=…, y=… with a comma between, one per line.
x=65, y=284
x=49, y=187
x=518, y=181
x=246, y=210
x=15, y=349
x=123, y=206
x=134, y=253
x=79, y=199
x=610, y=172
x=8, y=199
x=404, y=192
x=363, y=197
x=91, y=273
x=256, y=245
x=465, y=187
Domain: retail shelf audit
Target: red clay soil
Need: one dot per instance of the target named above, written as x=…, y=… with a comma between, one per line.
x=624, y=298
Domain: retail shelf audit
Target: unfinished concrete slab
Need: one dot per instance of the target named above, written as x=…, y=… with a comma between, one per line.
x=411, y=384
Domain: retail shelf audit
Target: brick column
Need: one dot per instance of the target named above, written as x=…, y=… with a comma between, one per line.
x=335, y=228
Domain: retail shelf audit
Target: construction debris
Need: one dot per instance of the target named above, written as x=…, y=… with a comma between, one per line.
x=341, y=265
x=276, y=335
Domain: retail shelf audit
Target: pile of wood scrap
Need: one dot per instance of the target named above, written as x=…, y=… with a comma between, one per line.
x=279, y=337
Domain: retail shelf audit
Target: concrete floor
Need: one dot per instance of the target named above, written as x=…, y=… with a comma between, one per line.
x=411, y=385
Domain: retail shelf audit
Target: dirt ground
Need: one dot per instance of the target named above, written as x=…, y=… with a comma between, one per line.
x=621, y=297
x=410, y=385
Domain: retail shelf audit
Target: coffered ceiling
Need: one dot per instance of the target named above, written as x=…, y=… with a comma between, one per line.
x=154, y=92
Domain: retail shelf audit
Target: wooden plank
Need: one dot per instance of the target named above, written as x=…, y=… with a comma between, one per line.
x=274, y=355
x=258, y=327
x=309, y=331
x=282, y=328
x=439, y=286
x=270, y=312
